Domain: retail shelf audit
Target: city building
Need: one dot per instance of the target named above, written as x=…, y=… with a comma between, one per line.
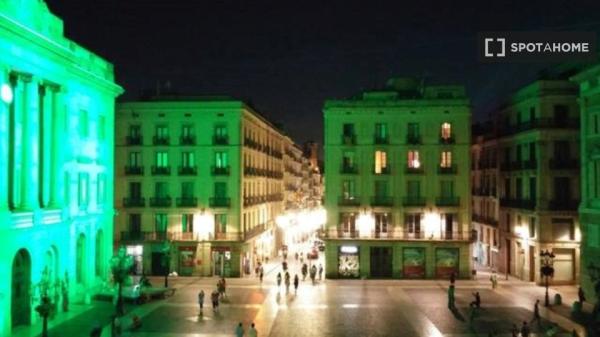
x=202, y=179
x=397, y=182
x=526, y=182
x=56, y=164
x=589, y=208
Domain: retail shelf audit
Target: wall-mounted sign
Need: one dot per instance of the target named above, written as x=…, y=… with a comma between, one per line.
x=349, y=249
x=348, y=262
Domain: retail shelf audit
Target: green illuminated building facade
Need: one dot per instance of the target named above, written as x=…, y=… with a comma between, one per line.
x=56, y=163
x=397, y=182
x=203, y=173
x=589, y=208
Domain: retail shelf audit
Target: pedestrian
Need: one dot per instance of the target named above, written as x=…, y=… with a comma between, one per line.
x=262, y=273
x=201, y=300
x=452, y=278
x=477, y=302
x=320, y=272
x=536, y=314
x=239, y=330
x=252, y=331
x=581, y=295
x=296, y=255
x=287, y=282
x=223, y=288
x=514, y=331
x=296, y=281
x=304, y=271
x=278, y=279
x=451, y=297
x=313, y=273
x=215, y=300
x=525, y=330
x=494, y=279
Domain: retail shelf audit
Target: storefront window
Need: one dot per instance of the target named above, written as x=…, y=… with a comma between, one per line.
x=348, y=264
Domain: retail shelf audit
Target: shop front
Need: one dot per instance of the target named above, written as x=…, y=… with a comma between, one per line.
x=186, y=260
x=221, y=261
x=348, y=262
x=413, y=262
x=446, y=262
x=137, y=252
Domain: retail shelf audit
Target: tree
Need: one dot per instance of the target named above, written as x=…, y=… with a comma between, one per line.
x=166, y=260
x=120, y=266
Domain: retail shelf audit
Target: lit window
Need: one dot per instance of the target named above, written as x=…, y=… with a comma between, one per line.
x=413, y=159
x=83, y=189
x=162, y=159
x=187, y=159
x=380, y=161
x=221, y=160
x=446, y=131
x=446, y=159
x=162, y=132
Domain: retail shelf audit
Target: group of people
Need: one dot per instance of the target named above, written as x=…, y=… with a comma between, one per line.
x=215, y=296
x=239, y=330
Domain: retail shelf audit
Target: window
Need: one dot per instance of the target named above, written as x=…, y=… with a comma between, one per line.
x=381, y=188
x=161, y=190
x=187, y=131
x=446, y=131
x=532, y=114
x=135, y=223
x=413, y=131
x=561, y=112
x=532, y=151
x=348, y=159
x=160, y=222
x=348, y=222
x=562, y=189
x=221, y=160
x=162, y=159
x=101, y=188
x=220, y=223
x=413, y=159
x=381, y=133
x=348, y=130
x=135, y=190
x=532, y=189
x=187, y=223
x=447, y=188
x=382, y=221
x=221, y=131
x=413, y=188
x=162, y=132
x=531, y=227
x=561, y=150
x=135, y=159
x=187, y=159
x=220, y=190
x=83, y=184
x=380, y=162
x=348, y=190
x=446, y=159
x=187, y=189
x=413, y=223
x=135, y=131
x=83, y=124
x=563, y=229
x=101, y=127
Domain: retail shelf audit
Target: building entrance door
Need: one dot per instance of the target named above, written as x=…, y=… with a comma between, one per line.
x=21, y=281
x=381, y=262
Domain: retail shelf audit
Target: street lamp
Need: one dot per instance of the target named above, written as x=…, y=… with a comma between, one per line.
x=547, y=269
x=120, y=265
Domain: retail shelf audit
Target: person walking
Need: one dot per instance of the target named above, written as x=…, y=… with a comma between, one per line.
x=201, y=301
x=477, y=302
x=494, y=279
x=252, y=331
x=214, y=296
x=296, y=281
x=581, y=295
x=304, y=271
x=223, y=288
x=239, y=330
x=261, y=272
x=313, y=273
x=278, y=280
x=451, y=297
x=287, y=282
x=320, y=272
x=525, y=330
x=536, y=314
x=514, y=331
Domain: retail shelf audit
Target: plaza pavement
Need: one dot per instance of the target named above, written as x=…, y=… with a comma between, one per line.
x=329, y=308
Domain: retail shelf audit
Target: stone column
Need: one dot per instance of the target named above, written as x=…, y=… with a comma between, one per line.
x=15, y=165
x=4, y=110
x=30, y=151
x=56, y=145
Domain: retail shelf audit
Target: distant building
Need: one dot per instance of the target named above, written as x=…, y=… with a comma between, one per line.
x=56, y=163
x=589, y=208
x=397, y=182
x=526, y=183
x=207, y=175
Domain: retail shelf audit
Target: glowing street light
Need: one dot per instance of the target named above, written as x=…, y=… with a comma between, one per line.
x=6, y=93
x=366, y=223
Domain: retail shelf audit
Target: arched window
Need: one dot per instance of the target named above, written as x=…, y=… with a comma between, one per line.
x=21, y=282
x=446, y=131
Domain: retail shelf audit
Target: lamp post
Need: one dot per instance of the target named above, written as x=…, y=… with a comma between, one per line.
x=120, y=265
x=547, y=270
x=166, y=260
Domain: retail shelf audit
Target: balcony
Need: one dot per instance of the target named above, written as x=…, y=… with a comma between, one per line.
x=254, y=231
x=413, y=201
x=413, y=139
x=226, y=236
x=415, y=170
x=224, y=202
x=160, y=140
x=384, y=201
x=383, y=170
x=349, y=201
x=345, y=169
x=161, y=202
x=161, y=170
x=187, y=140
x=517, y=203
x=134, y=170
x=349, y=139
x=220, y=170
x=133, y=140
x=133, y=236
x=447, y=201
x=541, y=123
x=564, y=164
x=134, y=202
x=447, y=140
x=187, y=202
x=353, y=234
x=379, y=140
x=563, y=205
x=447, y=169
x=187, y=170
x=220, y=140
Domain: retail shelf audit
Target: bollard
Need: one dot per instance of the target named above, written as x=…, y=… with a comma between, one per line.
x=557, y=299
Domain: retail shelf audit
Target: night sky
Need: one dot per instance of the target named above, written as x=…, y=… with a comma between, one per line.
x=287, y=57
